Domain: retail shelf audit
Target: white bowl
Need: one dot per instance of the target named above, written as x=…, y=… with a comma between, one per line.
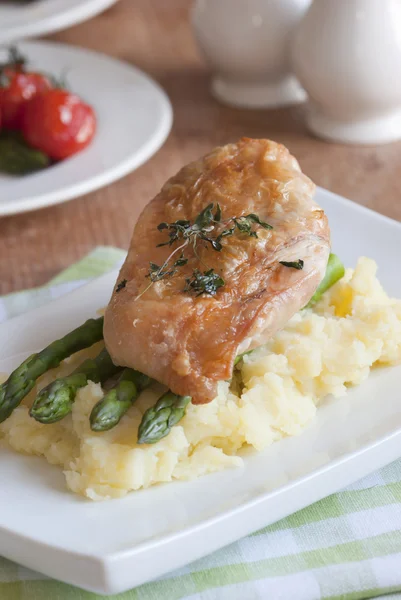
x=247, y=46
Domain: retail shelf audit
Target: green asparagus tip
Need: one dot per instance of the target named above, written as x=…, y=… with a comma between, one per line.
x=100, y=418
x=53, y=403
x=108, y=412
x=158, y=420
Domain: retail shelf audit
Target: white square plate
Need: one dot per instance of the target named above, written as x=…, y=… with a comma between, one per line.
x=112, y=546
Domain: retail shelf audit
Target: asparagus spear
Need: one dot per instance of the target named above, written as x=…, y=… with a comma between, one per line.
x=55, y=401
x=159, y=419
x=107, y=413
x=23, y=379
x=334, y=271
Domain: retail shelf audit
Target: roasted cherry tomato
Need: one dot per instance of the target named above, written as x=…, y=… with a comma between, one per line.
x=18, y=90
x=58, y=123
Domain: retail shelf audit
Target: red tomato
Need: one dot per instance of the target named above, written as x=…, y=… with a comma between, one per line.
x=58, y=123
x=20, y=89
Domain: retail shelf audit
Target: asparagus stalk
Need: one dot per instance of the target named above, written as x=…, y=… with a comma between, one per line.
x=159, y=419
x=23, y=379
x=334, y=271
x=55, y=401
x=108, y=412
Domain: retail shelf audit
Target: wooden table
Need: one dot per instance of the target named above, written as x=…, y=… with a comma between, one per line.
x=155, y=35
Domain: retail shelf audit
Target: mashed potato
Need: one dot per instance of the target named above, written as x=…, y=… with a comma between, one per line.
x=273, y=394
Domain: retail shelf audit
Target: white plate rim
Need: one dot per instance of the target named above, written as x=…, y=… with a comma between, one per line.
x=56, y=22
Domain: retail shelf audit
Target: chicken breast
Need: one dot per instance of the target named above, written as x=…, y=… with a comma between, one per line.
x=189, y=340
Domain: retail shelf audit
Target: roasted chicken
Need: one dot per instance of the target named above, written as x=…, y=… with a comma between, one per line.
x=164, y=320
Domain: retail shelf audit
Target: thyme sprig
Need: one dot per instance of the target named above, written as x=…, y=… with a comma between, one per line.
x=205, y=225
x=296, y=264
x=208, y=229
x=207, y=282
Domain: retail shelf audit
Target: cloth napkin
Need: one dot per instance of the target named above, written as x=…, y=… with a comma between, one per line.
x=346, y=546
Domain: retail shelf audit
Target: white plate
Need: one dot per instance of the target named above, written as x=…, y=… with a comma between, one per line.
x=134, y=118
x=20, y=20
x=112, y=546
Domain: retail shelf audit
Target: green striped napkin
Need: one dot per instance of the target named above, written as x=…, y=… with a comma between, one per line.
x=346, y=546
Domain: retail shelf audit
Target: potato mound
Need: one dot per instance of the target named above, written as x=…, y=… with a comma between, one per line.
x=273, y=394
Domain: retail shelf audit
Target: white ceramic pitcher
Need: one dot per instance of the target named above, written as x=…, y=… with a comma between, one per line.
x=247, y=45
x=347, y=55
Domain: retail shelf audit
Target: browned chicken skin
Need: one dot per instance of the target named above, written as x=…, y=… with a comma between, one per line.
x=189, y=342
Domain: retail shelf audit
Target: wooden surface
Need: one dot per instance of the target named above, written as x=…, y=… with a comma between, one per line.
x=155, y=35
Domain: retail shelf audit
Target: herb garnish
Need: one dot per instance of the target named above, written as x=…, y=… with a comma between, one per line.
x=208, y=228
x=121, y=285
x=298, y=264
x=207, y=282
